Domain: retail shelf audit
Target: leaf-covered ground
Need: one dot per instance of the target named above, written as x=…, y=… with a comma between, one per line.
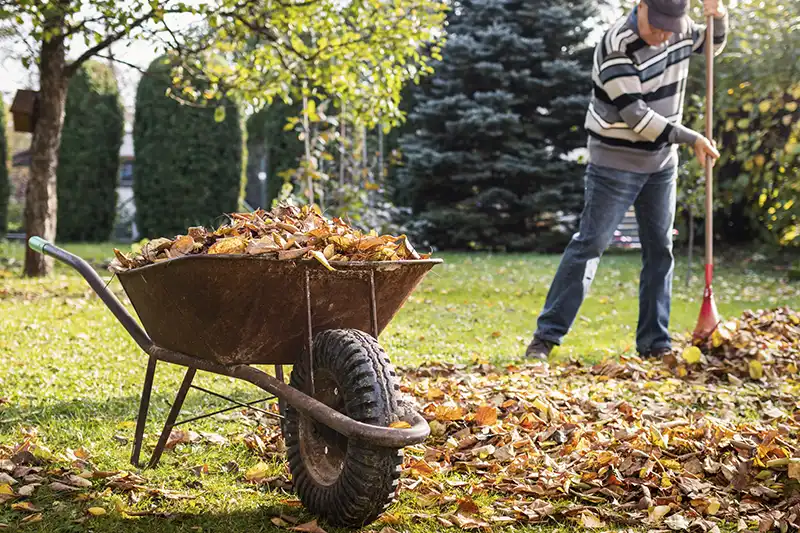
x=597, y=439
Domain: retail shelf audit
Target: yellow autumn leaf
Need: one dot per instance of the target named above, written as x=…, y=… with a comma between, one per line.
x=692, y=355
x=756, y=369
x=764, y=106
x=713, y=506
x=656, y=514
x=257, y=473
x=319, y=256
x=6, y=489
x=760, y=160
x=230, y=245
x=791, y=107
x=96, y=511
x=400, y=424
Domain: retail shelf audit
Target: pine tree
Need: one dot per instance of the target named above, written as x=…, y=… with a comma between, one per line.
x=484, y=164
x=88, y=166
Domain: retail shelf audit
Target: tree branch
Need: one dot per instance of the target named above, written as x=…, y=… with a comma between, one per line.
x=88, y=54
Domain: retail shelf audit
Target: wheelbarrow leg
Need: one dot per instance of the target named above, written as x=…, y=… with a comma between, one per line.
x=281, y=401
x=172, y=417
x=144, y=406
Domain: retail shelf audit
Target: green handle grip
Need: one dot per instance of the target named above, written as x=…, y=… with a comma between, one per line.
x=37, y=244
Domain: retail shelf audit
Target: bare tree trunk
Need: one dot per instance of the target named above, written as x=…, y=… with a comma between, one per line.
x=40, y=200
x=342, y=148
x=379, y=175
x=307, y=143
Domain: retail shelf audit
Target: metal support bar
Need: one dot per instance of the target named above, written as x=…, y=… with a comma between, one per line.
x=279, y=376
x=144, y=406
x=307, y=405
x=373, y=306
x=224, y=410
x=309, y=356
x=173, y=415
x=238, y=403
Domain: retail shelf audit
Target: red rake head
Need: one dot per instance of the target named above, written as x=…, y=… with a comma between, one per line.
x=709, y=317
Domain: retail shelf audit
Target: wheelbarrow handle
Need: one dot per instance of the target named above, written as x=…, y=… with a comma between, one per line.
x=45, y=247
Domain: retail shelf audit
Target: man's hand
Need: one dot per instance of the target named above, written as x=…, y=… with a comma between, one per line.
x=714, y=8
x=704, y=148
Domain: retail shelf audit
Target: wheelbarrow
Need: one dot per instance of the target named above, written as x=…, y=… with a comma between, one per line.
x=343, y=421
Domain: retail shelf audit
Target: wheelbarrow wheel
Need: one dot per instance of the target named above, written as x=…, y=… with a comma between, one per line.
x=346, y=481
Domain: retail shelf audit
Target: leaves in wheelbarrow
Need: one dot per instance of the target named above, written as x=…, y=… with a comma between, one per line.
x=286, y=233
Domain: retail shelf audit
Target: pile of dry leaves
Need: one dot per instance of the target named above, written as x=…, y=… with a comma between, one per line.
x=764, y=343
x=622, y=442
x=286, y=232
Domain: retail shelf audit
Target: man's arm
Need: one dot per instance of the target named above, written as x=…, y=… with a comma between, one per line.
x=698, y=31
x=619, y=78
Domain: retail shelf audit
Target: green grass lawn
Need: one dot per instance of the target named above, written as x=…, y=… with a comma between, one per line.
x=70, y=373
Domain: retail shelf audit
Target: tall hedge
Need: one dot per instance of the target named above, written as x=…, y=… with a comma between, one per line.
x=5, y=186
x=88, y=166
x=189, y=167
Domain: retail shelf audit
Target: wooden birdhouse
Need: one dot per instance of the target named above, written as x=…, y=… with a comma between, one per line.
x=25, y=110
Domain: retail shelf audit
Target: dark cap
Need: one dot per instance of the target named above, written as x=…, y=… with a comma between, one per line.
x=668, y=15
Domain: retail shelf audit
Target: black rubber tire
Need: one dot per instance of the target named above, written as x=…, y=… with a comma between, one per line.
x=366, y=482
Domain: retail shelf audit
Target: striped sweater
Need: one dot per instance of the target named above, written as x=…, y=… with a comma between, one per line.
x=634, y=116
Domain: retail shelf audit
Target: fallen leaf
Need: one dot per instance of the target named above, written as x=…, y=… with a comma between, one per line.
x=794, y=470
x=257, y=473
x=319, y=256
x=230, y=245
x=6, y=479
x=486, y=415
x=27, y=490
x=400, y=424
x=96, y=511
x=658, y=513
x=309, y=527
x=78, y=481
x=591, y=520
x=692, y=355
x=61, y=487
x=677, y=522
x=756, y=369
x=28, y=507
x=32, y=519
x=468, y=506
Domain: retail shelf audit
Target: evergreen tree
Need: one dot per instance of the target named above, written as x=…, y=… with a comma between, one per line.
x=189, y=167
x=5, y=185
x=484, y=165
x=88, y=169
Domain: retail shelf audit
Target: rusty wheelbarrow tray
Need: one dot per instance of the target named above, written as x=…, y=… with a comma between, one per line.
x=342, y=419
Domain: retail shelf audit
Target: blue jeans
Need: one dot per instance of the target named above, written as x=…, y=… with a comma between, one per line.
x=609, y=193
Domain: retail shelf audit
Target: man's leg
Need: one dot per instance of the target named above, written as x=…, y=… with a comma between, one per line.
x=608, y=195
x=655, y=214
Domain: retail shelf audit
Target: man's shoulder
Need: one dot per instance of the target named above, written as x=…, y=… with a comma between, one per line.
x=616, y=39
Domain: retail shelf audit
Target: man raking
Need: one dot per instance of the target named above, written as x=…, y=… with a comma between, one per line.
x=634, y=126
